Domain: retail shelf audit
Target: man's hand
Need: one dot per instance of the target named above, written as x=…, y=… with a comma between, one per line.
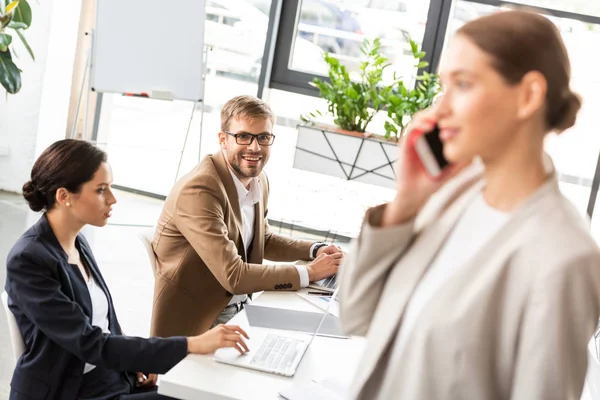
x=324, y=265
x=146, y=381
x=331, y=249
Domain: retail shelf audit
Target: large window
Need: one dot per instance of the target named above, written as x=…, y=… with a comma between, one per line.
x=575, y=152
x=339, y=27
x=145, y=138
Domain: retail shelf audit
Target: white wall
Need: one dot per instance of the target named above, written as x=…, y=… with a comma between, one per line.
x=37, y=115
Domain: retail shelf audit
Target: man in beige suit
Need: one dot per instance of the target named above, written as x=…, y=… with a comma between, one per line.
x=213, y=233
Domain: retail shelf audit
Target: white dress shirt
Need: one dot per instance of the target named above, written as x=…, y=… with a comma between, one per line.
x=99, y=312
x=248, y=198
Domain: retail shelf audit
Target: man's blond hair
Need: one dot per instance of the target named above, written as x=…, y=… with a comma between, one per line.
x=245, y=107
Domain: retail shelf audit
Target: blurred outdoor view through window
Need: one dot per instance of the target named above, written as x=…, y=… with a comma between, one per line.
x=340, y=27
x=145, y=138
x=575, y=152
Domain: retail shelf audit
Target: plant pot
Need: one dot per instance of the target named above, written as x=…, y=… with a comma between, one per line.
x=347, y=155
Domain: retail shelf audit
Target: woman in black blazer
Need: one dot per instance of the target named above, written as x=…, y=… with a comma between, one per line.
x=75, y=348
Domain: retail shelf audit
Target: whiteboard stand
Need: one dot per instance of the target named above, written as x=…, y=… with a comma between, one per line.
x=87, y=102
x=205, y=52
x=138, y=49
x=86, y=76
x=87, y=79
x=207, y=49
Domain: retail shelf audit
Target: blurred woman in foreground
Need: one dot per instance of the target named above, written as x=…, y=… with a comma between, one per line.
x=484, y=284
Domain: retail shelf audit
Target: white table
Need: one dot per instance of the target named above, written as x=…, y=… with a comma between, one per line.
x=199, y=377
x=591, y=390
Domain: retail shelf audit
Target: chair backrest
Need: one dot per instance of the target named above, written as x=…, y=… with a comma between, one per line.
x=18, y=344
x=146, y=237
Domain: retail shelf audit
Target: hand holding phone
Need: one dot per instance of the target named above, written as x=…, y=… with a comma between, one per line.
x=430, y=151
x=419, y=172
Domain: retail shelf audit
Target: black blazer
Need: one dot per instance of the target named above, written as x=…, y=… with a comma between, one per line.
x=53, y=309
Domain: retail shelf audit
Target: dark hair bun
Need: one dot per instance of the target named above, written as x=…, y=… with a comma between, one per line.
x=567, y=115
x=35, y=198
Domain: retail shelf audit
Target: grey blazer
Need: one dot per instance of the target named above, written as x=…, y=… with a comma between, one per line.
x=512, y=323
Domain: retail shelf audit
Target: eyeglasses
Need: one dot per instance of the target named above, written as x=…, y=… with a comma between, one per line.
x=246, y=139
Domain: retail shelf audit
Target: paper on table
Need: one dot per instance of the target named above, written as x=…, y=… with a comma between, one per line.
x=284, y=300
x=322, y=390
x=322, y=302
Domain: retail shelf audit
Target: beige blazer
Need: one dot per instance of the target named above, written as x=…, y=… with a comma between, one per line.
x=201, y=258
x=513, y=323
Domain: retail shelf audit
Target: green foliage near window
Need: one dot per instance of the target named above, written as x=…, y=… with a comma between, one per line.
x=15, y=17
x=402, y=102
x=354, y=101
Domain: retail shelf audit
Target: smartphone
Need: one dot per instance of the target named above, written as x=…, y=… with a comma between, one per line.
x=430, y=151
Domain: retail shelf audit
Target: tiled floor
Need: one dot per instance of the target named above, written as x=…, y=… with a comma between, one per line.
x=120, y=255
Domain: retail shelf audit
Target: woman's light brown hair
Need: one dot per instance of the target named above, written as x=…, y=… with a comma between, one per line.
x=520, y=42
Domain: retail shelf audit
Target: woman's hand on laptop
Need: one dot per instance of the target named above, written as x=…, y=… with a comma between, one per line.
x=324, y=266
x=218, y=337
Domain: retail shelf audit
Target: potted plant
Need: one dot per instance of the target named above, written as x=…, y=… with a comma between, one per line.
x=15, y=17
x=347, y=150
x=354, y=102
x=402, y=103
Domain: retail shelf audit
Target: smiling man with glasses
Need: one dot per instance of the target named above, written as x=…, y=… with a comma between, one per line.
x=213, y=233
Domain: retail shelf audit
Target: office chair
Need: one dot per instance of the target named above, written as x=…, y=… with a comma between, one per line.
x=16, y=339
x=146, y=237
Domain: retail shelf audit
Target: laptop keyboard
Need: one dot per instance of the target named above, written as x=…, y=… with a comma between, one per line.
x=331, y=282
x=276, y=352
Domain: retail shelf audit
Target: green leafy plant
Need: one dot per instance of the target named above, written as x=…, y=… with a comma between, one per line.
x=15, y=17
x=403, y=103
x=354, y=102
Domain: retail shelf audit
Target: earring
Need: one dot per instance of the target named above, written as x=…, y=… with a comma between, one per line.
x=68, y=204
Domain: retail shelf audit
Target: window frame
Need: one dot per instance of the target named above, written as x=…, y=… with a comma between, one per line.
x=284, y=78
x=552, y=11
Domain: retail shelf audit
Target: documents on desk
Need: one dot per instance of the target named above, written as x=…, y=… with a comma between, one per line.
x=313, y=390
x=322, y=302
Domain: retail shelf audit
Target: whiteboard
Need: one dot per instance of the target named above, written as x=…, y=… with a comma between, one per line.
x=149, y=46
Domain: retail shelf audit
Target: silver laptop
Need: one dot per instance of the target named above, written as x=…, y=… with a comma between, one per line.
x=277, y=352
x=327, y=285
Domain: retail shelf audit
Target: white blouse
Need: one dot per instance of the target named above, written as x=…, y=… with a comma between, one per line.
x=475, y=227
x=99, y=312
